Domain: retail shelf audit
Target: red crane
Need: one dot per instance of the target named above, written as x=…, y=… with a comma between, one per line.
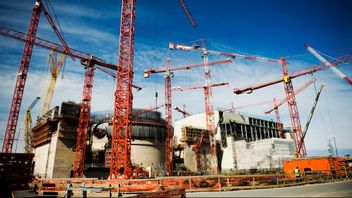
x=207, y=92
x=122, y=124
x=282, y=101
x=183, y=111
x=168, y=100
x=293, y=110
x=277, y=103
x=22, y=73
x=197, y=146
x=120, y=158
x=188, y=13
x=90, y=62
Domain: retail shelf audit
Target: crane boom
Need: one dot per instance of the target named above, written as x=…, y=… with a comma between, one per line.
x=297, y=91
x=55, y=70
x=328, y=64
x=58, y=34
x=196, y=47
x=198, y=86
x=188, y=13
x=138, y=88
x=186, y=67
x=301, y=72
x=309, y=119
x=28, y=127
x=148, y=109
x=11, y=33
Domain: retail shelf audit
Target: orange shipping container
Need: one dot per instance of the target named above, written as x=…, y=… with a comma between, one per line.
x=328, y=165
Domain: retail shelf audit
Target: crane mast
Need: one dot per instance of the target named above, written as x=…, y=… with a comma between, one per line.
x=55, y=70
x=168, y=118
x=120, y=158
x=23, y=71
x=168, y=98
x=293, y=109
x=278, y=120
x=84, y=118
x=208, y=94
x=21, y=80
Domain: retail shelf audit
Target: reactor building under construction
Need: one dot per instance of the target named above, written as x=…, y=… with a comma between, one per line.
x=245, y=143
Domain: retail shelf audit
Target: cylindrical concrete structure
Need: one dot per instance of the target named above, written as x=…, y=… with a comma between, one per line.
x=148, y=137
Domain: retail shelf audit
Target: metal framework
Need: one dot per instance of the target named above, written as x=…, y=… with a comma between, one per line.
x=309, y=119
x=188, y=13
x=290, y=95
x=327, y=63
x=168, y=98
x=293, y=110
x=84, y=118
x=55, y=70
x=88, y=61
x=207, y=91
x=21, y=80
x=168, y=118
x=278, y=120
x=120, y=165
x=28, y=127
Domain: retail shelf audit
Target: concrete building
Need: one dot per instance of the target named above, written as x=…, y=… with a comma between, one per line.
x=54, y=142
x=244, y=142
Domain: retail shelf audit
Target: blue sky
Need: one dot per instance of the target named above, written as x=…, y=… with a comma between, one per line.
x=263, y=28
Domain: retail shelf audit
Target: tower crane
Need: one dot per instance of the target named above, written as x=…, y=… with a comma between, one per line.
x=197, y=146
x=287, y=80
x=308, y=121
x=277, y=104
x=207, y=92
x=55, y=68
x=328, y=64
x=183, y=111
x=90, y=62
x=28, y=127
x=168, y=100
x=23, y=70
x=120, y=165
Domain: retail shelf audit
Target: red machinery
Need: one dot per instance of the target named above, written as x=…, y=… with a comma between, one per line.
x=122, y=124
x=293, y=110
x=168, y=100
x=188, y=13
x=90, y=62
x=207, y=91
x=23, y=70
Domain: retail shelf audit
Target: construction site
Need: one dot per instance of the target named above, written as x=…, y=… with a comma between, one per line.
x=72, y=149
